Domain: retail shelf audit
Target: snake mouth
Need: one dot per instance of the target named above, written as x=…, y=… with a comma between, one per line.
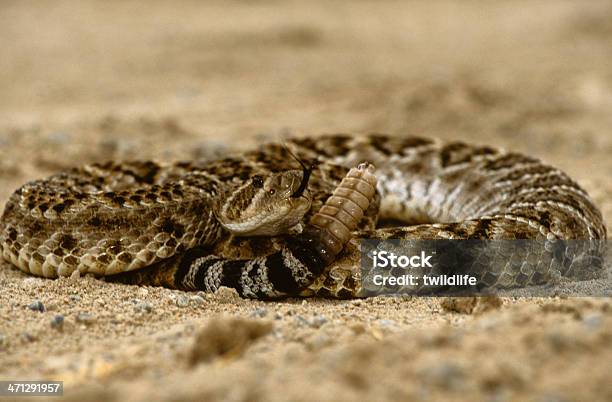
x=306, y=171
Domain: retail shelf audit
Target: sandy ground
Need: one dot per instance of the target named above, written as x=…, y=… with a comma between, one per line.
x=96, y=80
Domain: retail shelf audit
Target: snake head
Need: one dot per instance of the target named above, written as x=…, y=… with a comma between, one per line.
x=267, y=205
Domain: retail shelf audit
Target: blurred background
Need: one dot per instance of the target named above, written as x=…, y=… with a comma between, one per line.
x=94, y=80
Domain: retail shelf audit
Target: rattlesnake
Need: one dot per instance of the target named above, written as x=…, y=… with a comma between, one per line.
x=251, y=221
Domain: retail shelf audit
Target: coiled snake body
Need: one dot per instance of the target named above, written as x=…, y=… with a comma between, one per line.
x=266, y=226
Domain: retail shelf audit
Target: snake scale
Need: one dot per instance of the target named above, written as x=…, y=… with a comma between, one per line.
x=264, y=222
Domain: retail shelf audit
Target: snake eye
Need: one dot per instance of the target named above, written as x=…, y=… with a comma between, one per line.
x=271, y=191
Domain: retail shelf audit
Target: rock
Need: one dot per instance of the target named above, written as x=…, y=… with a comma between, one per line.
x=389, y=324
x=182, y=301
x=315, y=322
x=358, y=328
x=470, y=305
x=37, y=306
x=28, y=337
x=318, y=321
x=197, y=300
x=57, y=322
x=320, y=341
x=505, y=374
x=74, y=298
x=445, y=375
x=376, y=333
x=592, y=321
x=227, y=295
x=3, y=341
x=143, y=307
x=226, y=337
x=488, y=303
x=259, y=312
x=118, y=318
x=301, y=321
x=488, y=322
x=32, y=282
x=85, y=318
x=463, y=305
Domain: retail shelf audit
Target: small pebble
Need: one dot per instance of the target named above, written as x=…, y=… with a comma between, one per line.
x=74, y=298
x=182, y=301
x=320, y=342
x=57, y=322
x=119, y=318
x=301, y=321
x=37, y=306
x=28, y=337
x=259, y=312
x=358, y=328
x=489, y=323
x=85, y=318
x=143, y=307
x=558, y=340
x=446, y=375
x=197, y=300
x=226, y=336
x=3, y=341
x=470, y=305
x=227, y=295
x=387, y=323
x=32, y=281
x=318, y=321
x=592, y=321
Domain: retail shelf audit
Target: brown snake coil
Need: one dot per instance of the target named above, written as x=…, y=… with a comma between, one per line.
x=247, y=221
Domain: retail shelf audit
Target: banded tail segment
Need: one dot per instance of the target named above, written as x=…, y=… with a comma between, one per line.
x=283, y=273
